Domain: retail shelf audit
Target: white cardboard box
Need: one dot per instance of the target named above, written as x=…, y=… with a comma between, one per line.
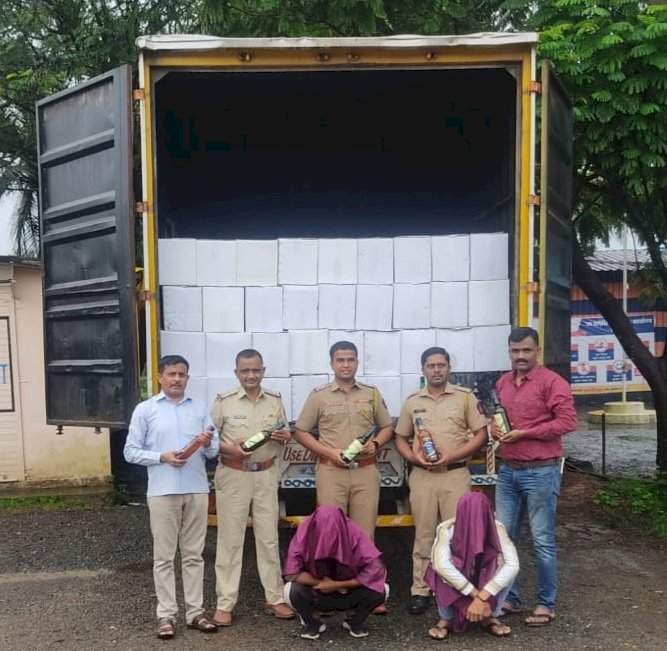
x=449, y=305
x=337, y=262
x=283, y=385
x=297, y=262
x=376, y=261
x=489, y=256
x=409, y=384
x=459, y=344
x=491, y=349
x=181, y=308
x=412, y=259
x=274, y=347
x=219, y=385
x=375, y=305
x=257, y=262
x=191, y=345
x=300, y=307
x=197, y=389
x=488, y=302
x=336, y=306
x=308, y=352
x=382, y=353
x=413, y=344
x=264, y=309
x=390, y=389
x=221, y=350
x=224, y=309
x=302, y=385
x=216, y=263
x=176, y=262
x=412, y=306
x=451, y=257
x=356, y=337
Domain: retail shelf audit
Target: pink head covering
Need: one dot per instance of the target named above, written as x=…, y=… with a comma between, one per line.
x=327, y=536
x=475, y=547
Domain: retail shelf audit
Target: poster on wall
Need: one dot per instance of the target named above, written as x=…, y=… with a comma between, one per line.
x=597, y=357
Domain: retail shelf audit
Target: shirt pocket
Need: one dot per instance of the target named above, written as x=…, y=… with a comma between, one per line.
x=235, y=427
x=333, y=415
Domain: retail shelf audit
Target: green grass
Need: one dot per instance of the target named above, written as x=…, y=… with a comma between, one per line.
x=642, y=501
x=54, y=503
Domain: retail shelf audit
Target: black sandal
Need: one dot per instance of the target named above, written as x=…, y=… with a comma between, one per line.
x=203, y=624
x=165, y=628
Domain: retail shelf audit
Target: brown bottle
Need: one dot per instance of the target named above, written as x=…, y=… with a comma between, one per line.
x=192, y=447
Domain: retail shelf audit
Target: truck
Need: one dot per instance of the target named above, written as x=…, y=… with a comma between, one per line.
x=424, y=147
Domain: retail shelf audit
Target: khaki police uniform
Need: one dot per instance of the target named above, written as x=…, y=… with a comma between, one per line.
x=340, y=416
x=238, y=491
x=450, y=417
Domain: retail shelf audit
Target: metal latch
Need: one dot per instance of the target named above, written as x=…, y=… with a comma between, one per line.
x=535, y=87
x=532, y=287
x=533, y=199
x=138, y=94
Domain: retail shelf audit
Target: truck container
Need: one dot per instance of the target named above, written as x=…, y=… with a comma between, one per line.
x=295, y=191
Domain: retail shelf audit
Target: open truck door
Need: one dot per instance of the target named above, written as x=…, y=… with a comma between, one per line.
x=555, y=231
x=87, y=225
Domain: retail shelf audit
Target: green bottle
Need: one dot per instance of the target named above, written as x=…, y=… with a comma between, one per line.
x=351, y=452
x=262, y=437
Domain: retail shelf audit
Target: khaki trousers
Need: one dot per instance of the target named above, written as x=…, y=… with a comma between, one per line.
x=356, y=491
x=179, y=521
x=433, y=498
x=237, y=494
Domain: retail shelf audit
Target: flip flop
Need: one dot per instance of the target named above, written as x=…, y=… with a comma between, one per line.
x=541, y=618
x=492, y=625
x=439, y=632
x=510, y=609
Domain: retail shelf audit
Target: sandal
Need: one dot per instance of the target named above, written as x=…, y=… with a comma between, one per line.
x=165, y=628
x=509, y=608
x=541, y=616
x=203, y=624
x=495, y=627
x=440, y=631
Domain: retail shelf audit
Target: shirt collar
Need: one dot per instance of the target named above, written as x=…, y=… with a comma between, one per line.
x=530, y=375
x=424, y=392
x=337, y=387
x=243, y=394
x=161, y=396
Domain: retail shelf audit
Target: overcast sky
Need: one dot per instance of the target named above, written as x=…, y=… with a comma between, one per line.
x=6, y=213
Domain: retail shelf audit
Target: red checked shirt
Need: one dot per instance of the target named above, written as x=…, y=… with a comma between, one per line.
x=541, y=406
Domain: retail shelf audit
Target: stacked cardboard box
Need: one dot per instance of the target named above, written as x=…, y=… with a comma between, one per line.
x=292, y=298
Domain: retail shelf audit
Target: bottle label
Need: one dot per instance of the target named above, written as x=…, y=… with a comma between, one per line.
x=501, y=422
x=255, y=439
x=353, y=450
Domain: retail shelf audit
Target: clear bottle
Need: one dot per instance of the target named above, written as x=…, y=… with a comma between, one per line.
x=500, y=415
x=352, y=451
x=261, y=437
x=428, y=446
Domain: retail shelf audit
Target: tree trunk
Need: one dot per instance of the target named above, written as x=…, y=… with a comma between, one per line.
x=653, y=369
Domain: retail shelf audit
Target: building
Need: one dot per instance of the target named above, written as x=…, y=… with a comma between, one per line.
x=32, y=453
x=597, y=359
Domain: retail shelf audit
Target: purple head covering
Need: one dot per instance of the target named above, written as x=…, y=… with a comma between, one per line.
x=475, y=547
x=329, y=536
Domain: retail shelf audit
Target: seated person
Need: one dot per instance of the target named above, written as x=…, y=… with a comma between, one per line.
x=333, y=565
x=473, y=566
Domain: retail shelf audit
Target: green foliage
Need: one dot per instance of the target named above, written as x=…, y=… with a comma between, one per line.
x=53, y=503
x=643, y=502
x=612, y=57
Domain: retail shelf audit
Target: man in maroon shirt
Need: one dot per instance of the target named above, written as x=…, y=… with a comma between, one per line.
x=540, y=410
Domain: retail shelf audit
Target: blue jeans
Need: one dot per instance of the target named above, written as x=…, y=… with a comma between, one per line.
x=536, y=491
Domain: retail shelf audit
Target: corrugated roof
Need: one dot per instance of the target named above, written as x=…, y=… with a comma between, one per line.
x=612, y=259
x=201, y=42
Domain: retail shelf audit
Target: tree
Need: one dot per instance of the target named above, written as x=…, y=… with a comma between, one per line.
x=612, y=57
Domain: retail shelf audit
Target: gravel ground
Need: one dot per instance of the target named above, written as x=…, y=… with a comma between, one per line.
x=82, y=579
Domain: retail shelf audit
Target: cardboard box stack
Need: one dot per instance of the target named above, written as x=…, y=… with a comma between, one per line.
x=292, y=298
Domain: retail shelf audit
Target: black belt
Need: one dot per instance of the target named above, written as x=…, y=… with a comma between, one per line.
x=538, y=463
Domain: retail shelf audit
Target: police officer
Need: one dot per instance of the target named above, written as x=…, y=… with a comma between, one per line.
x=341, y=411
x=449, y=414
x=248, y=480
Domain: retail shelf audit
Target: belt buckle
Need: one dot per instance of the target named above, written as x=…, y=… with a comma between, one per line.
x=353, y=465
x=253, y=466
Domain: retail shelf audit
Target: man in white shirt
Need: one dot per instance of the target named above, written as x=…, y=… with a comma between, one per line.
x=177, y=495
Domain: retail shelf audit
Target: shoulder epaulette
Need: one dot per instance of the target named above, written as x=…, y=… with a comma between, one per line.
x=321, y=387
x=272, y=393
x=365, y=384
x=460, y=388
x=227, y=394
x=412, y=395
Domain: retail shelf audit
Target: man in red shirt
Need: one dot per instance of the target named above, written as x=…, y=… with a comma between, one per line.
x=540, y=410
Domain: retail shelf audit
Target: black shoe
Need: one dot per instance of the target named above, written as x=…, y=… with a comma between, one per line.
x=355, y=630
x=312, y=631
x=418, y=604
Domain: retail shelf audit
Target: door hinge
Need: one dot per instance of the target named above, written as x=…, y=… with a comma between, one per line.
x=145, y=295
x=535, y=87
x=533, y=199
x=138, y=94
x=141, y=207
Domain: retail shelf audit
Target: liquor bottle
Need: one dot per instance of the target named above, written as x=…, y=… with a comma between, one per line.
x=352, y=451
x=193, y=446
x=428, y=446
x=500, y=415
x=262, y=437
